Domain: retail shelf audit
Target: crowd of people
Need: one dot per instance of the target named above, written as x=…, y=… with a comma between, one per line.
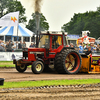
x=10, y=46
x=83, y=48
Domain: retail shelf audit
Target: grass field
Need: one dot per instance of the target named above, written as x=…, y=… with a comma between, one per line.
x=48, y=82
x=6, y=64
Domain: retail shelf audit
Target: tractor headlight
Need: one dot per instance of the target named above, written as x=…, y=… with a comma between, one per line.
x=31, y=52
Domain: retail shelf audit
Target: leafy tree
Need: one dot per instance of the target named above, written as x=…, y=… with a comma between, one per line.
x=43, y=23
x=84, y=21
x=7, y=6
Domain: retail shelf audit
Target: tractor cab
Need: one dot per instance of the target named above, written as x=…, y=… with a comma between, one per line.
x=51, y=40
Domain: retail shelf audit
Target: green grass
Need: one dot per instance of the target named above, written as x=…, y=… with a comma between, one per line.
x=7, y=64
x=24, y=84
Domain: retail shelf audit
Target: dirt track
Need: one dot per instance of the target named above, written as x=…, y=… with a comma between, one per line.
x=62, y=93
x=11, y=74
x=71, y=93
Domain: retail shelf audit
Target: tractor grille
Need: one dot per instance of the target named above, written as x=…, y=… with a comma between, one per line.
x=25, y=54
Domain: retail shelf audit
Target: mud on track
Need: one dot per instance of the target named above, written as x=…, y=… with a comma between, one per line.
x=10, y=74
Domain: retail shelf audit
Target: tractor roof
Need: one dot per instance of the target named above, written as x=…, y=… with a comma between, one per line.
x=53, y=32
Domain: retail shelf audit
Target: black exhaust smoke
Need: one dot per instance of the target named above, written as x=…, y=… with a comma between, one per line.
x=37, y=18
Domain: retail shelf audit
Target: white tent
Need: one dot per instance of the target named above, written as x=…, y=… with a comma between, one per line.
x=12, y=32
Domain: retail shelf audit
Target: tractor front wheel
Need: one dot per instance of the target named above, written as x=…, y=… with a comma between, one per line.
x=37, y=67
x=21, y=68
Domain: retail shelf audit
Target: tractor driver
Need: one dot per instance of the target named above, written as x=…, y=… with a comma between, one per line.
x=54, y=44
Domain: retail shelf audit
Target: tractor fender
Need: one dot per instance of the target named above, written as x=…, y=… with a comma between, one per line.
x=39, y=59
x=68, y=48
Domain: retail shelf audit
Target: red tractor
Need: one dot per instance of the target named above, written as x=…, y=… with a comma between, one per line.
x=52, y=50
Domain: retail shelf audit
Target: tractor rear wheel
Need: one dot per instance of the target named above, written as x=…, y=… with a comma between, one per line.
x=68, y=61
x=21, y=68
x=37, y=67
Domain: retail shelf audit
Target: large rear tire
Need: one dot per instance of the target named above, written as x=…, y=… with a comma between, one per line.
x=68, y=61
x=37, y=67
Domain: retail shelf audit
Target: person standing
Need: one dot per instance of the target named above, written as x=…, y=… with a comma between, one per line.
x=76, y=47
x=88, y=52
x=81, y=48
x=10, y=44
x=98, y=48
x=1, y=46
x=91, y=45
x=86, y=47
x=95, y=48
x=15, y=46
x=24, y=45
x=31, y=46
x=20, y=45
x=34, y=45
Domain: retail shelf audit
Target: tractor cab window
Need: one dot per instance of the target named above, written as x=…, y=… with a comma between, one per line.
x=56, y=41
x=44, y=41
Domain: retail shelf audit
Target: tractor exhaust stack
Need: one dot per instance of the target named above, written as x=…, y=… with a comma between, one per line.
x=37, y=18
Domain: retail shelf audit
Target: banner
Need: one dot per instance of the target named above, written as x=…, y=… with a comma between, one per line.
x=9, y=56
x=10, y=19
x=69, y=36
x=4, y=56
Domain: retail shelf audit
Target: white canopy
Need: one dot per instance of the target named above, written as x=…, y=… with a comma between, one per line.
x=12, y=31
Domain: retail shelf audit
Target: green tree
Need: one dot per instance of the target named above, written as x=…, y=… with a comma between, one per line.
x=43, y=23
x=7, y=6
x=84, y=21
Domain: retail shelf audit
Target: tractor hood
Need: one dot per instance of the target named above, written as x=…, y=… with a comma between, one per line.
x=36, y=49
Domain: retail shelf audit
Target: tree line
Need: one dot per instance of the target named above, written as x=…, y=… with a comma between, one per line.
x=7, y=6
x=90, y=20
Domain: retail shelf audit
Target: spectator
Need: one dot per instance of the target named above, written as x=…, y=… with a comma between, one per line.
x=1, y=46
x=71, y=45
x=9, y=46
x=81, y=48
x=15, y=46
x=20, y=45
x=88, y=52
x=86, y=48
x=94, y=48
x=76, y=47
x=31, y=46
x=91, y=45
x=7, y=43
x=34, y=45
x=98, y=48
x=24, y=45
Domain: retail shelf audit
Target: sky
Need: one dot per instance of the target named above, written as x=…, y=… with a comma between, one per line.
x=59, y=12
